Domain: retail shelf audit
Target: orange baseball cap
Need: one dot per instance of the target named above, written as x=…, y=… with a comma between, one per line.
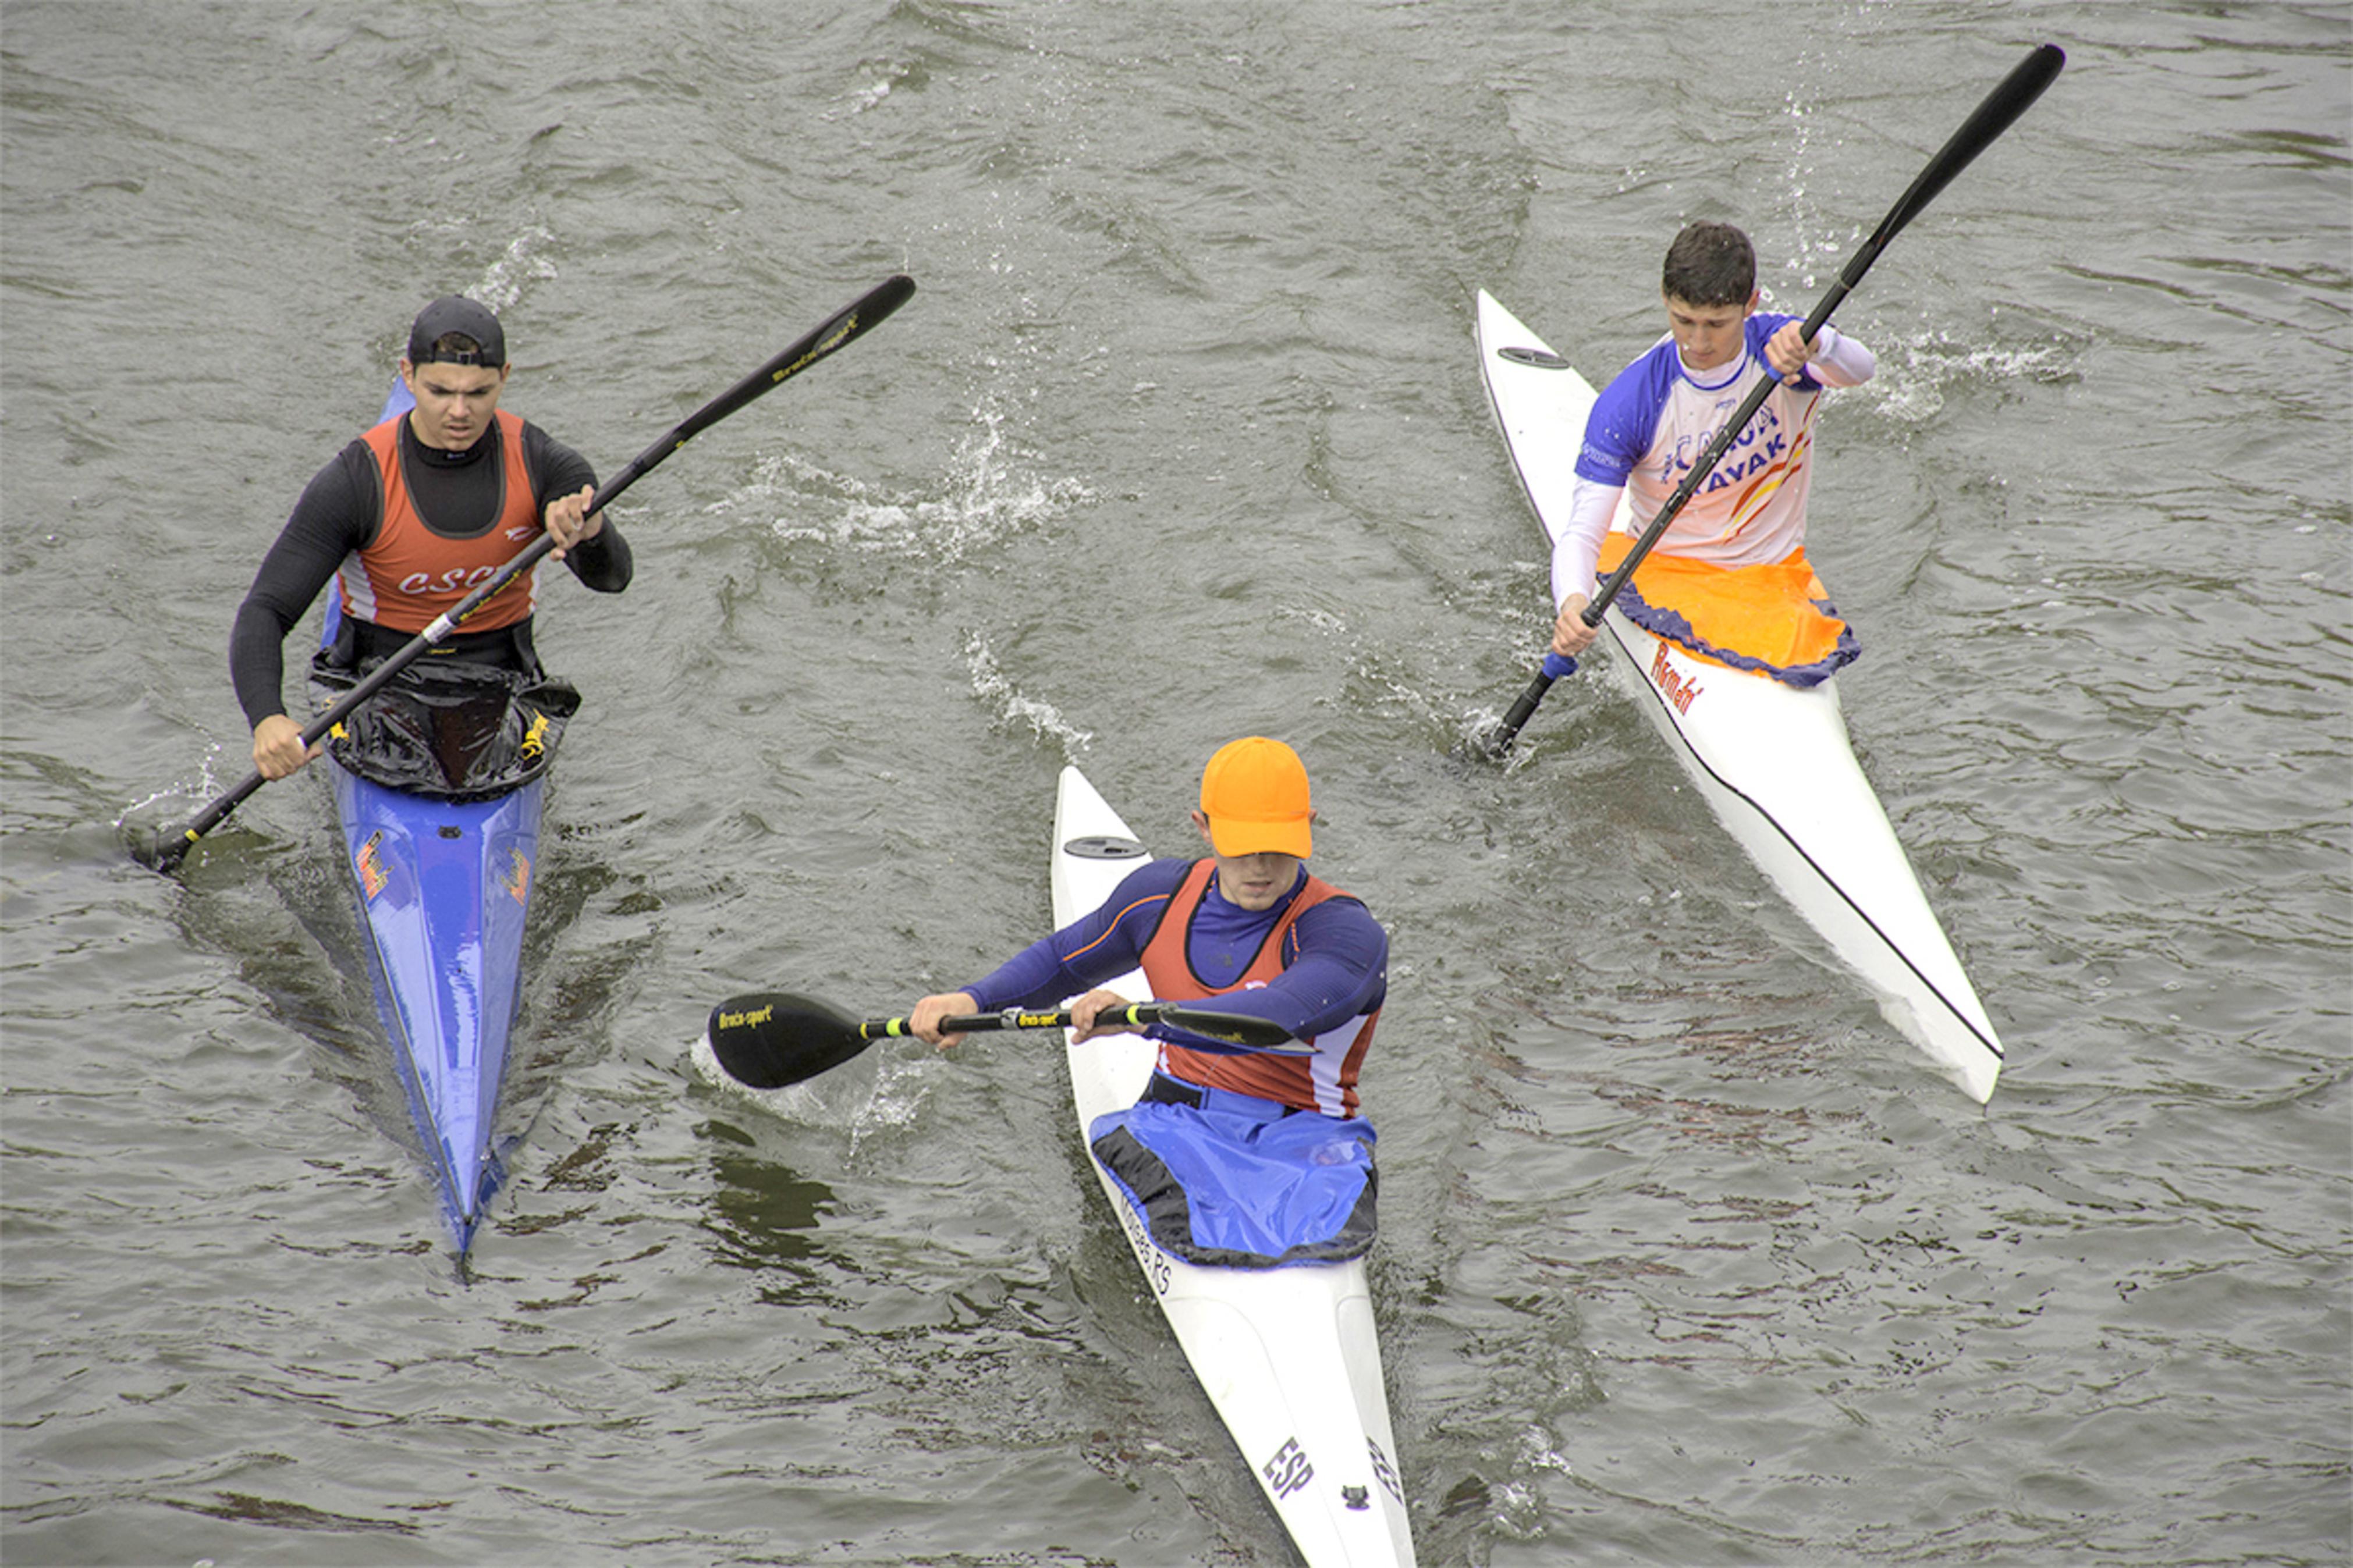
x=1254, y=793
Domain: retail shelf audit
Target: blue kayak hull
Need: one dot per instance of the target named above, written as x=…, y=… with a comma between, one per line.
x=443, y=889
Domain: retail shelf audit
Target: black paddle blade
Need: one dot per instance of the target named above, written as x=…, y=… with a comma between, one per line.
x=1496, y=743
x=2012, y=97
x=772, y=1038
x=1234, y=1028
x=146, y=844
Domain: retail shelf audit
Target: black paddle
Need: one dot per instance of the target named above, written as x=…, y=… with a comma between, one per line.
x=166, y=852
x=771, y=1038
x=2001, y=107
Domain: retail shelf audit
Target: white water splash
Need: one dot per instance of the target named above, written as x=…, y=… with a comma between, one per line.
x=1321, y=620
x=896, y=1096
x=901, y=1087
x=503, y=279
x=872, y=94
x=1043, y=719
x=992, y=492
x=1916, y=374
x=206, y=787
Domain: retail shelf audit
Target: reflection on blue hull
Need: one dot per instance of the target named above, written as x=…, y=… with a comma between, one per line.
x=443, y=888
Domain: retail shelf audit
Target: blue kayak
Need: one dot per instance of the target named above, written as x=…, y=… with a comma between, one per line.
x=443, y=887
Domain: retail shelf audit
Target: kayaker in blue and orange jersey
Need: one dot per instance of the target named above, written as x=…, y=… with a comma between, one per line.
x=1248, y=924
x=413, y=515
x=1731, y=567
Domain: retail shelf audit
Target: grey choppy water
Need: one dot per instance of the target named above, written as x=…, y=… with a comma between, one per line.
x=1686, y=1257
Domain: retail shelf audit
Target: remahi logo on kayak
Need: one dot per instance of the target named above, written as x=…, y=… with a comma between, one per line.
x=1679, y=690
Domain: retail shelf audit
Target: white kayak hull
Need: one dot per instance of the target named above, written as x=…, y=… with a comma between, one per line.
x=1772, y=761
x=1289, y=1356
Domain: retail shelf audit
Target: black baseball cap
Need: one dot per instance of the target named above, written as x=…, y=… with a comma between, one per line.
x=456, y=313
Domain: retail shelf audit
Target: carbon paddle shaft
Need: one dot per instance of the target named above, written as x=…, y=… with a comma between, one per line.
x=836, y=333
x=769, y=1039
x=2002, y=106
x=1235, y=1028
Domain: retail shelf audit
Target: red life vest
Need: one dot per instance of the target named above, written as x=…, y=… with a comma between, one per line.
x=1326, y=1081
x=411, y=575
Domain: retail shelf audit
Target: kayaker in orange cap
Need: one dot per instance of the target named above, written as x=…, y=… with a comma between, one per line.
x=1248, y=924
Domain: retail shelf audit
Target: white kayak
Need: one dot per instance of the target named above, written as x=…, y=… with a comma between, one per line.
x=1772, y=760
x=1289, y=1356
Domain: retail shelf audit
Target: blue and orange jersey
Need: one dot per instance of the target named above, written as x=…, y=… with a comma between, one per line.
x=1316, y=962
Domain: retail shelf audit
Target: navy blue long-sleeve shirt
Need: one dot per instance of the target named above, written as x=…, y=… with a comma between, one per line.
x=1338, y=960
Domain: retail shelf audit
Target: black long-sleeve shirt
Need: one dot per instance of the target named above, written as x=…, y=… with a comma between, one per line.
x=340, y=513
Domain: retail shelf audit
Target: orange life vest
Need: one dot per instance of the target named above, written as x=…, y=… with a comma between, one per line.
x=411, y=575
x=1326, y=1081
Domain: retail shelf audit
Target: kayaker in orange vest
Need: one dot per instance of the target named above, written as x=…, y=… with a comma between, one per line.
x=1248, y=924
x=1729, y=578
x=414, y=514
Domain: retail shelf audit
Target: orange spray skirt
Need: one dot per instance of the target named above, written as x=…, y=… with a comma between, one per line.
x=1775, y=620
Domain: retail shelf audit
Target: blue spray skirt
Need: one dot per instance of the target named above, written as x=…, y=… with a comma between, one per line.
x=1236, y=1191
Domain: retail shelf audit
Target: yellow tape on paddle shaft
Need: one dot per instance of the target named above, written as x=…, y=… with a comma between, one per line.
x=1135, y=1014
